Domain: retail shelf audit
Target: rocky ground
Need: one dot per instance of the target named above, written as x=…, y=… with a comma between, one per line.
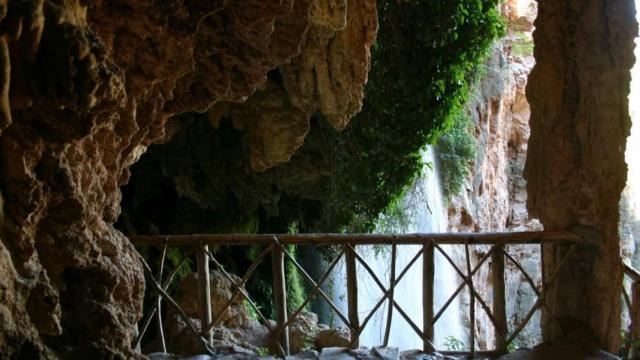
x=542, y=352
x=379, y=353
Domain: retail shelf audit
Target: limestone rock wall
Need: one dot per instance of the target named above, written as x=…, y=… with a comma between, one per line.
x=575, y=170
x=494, y=196
x=85, y=87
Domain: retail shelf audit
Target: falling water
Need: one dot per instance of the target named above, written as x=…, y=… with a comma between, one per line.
x=426, y=213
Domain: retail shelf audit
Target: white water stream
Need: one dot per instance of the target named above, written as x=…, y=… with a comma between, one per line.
x=426, y=214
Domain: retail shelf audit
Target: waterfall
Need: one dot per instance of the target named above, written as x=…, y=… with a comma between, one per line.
x=426, y=213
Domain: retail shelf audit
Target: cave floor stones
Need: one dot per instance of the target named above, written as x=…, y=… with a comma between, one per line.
x=334, y=353
x=540, y=352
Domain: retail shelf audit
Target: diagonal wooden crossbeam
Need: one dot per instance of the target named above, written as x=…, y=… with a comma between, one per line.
x=392, y=277
x=312, y=282
x=311, y=295
x=540, y=298
x=532, y=284
x=627, y=299
x=461, y=286
x=488, y=312
x=173, y=303
x=165, y=285
x=632, y=300
x=467, y=281
x=626, y=347
x=472, y=303
x=163, y=344
x=386, y=293
x=239, y=286
x=379, y=283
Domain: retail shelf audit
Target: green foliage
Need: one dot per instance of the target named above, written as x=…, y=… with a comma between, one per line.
x=262, y=351
x=296, y=293
x=424, y=61
x=452, y=343
x=628, y=343
x=426, y=56
x=522, y=45
x=250, y=310
x=395, y=219
x=456, y=149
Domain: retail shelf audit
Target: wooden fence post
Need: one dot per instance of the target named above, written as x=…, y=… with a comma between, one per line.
x=472, y=304
x=204, y=291
x=352, y=294
x=392, y=285
x=635, y=320
x=163, y=344
x=428, y=277
x=499, y=301
x=280, y=296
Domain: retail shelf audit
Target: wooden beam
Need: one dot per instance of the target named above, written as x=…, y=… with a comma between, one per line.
x=181, y=313
x=539, y=237
x=635, y=320
x=204, y=291
x=163, y=344
x=352, y=294
x=392, y=285
x=632, y=273
x=472, y=304
x=428, y=278
x=499, y=298
x=280, y=296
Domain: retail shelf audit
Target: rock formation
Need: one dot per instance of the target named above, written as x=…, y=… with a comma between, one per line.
x=576, y=168
x=85, y=88
x=237, y=328
x=494, y=196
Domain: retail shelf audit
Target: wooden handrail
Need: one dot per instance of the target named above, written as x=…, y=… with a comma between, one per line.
x=631, y=272
x=633, y=332
x=431, y=242
x=515, y=238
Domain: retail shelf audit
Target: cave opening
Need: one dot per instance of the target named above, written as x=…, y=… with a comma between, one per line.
x=202, y=180
x=311, y=119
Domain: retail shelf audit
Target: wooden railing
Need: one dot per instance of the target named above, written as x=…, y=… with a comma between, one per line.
x=631, y=346
x=347, y=244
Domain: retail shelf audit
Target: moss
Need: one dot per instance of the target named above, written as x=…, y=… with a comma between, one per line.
x=296, y=293
x=456, y=149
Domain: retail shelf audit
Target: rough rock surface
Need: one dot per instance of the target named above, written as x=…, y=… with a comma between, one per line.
x=494, y=196
x=340, y=337
x=559, y=351
x=237, y=327
x=576, y=170
x=85, y=88
x=222, y=290
x=328, y=76
x=378, y=353
x=180, y=340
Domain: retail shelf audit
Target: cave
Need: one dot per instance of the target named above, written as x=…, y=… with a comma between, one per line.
x=129, y=125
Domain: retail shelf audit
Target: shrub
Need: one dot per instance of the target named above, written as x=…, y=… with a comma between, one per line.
x=456, y=148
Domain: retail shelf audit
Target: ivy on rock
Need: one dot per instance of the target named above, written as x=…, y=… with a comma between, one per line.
x=423, y=64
